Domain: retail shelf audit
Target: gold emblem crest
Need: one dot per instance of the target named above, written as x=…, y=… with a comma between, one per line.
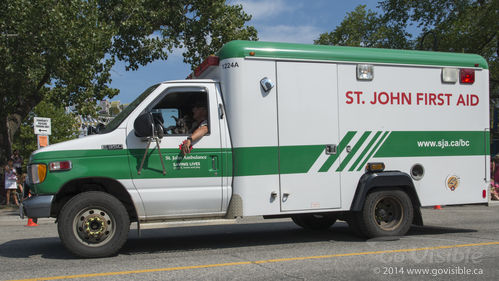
x=452, y=182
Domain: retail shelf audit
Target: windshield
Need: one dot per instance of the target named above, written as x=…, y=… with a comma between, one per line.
x=124, y=114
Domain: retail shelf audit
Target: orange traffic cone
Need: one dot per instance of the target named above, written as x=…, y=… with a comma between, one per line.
x=437, y=207
x=31, y=222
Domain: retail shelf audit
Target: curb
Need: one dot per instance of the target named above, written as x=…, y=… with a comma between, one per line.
x=493, y=203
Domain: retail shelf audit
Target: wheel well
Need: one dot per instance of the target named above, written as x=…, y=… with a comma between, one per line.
x=77, y=186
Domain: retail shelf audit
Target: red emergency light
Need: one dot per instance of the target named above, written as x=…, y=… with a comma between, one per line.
x=466, y=76
x=210, y=61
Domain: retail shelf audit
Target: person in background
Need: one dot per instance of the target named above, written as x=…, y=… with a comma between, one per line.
x=10, y=182
x=2, y=187
x=494, y=171
x=18, y=161
x=20, y=186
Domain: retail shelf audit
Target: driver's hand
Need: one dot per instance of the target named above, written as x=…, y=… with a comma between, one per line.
x=185, y=147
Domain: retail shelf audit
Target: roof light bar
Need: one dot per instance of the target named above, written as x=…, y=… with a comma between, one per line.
x=209, y=61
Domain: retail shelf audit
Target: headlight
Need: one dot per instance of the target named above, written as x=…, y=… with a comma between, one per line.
x=37, y=173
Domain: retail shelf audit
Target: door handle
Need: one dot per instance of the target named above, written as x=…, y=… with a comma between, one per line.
x=285, y=196
x=214, y=165
x=220, y=111
x=331, y=149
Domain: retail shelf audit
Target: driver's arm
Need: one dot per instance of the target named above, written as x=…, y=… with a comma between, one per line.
x=196, y=135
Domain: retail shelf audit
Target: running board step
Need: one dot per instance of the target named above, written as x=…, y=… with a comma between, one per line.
x=187, y=222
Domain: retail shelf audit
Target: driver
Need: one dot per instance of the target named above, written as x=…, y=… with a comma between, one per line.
x=199, y=127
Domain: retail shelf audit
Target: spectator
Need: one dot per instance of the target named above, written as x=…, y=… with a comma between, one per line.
x=2, y=187
x=494, y=193
x=10, y=182
x=20, y=186
x=18, y=161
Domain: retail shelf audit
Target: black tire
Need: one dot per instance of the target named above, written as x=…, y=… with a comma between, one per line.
x=314, y=221
x=354, y=225
x=385, y=213
x=93, y=224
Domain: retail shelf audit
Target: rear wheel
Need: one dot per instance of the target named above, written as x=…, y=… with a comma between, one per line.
x=93, y=224
x=385, y=213
x=314, y=221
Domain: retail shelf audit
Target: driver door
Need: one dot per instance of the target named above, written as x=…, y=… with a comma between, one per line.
x=188, y=185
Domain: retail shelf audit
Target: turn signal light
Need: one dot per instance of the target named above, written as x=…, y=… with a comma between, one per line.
x=37, y=173
x=375, y=167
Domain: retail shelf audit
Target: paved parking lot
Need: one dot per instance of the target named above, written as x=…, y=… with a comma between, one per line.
x=456, y=243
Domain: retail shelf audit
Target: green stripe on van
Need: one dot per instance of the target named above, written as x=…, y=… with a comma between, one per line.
x=341, y=146
x=373, y=150
x=250, y=161
x=353, y=151
x=433, y=143
x=363, y=153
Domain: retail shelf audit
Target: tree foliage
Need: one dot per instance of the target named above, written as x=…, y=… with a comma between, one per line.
x=469, y=26
x=63, y=51
x=365, y=28
x=64, y=126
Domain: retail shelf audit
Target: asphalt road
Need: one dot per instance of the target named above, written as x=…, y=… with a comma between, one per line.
x=456, y=243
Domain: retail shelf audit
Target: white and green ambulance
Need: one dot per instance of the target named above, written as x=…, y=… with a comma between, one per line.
x=314, y=133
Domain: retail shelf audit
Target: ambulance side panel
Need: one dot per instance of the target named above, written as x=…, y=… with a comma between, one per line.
x=307, y=123
x=251, y=117
x=406, y=116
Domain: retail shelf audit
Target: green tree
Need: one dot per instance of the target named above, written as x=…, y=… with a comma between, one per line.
x=469, y=26
x=366, y=28
x=64, y=126
x=63, y=51
x=113, y=111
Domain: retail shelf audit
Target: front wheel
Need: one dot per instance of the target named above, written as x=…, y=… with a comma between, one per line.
x=93, y=224
x=385, y=213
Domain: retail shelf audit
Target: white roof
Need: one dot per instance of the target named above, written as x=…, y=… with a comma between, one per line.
x=191, y=81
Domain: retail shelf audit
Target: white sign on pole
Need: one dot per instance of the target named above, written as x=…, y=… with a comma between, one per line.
x=42, y=126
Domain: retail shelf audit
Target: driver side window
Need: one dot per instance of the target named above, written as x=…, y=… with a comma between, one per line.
x=175, y=112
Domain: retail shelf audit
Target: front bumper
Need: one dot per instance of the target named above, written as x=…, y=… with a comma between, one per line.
x=36, y=206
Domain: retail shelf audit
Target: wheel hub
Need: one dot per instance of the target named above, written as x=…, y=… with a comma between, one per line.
x=94, y=226
x=388, y=213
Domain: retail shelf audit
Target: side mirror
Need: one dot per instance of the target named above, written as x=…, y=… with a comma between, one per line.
x=144, y=125
x=91, y=130
x=147, y=125
x=100, y=127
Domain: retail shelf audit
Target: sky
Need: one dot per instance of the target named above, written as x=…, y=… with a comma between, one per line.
x=291, y=21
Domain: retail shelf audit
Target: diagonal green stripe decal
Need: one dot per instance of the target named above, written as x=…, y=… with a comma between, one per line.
x=332, y=158
x=353, y=151
x=298, y=159
x=381, y=140
x=361, y=156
